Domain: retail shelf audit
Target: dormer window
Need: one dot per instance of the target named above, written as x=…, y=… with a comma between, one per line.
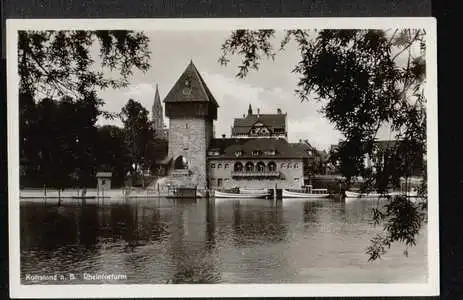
x=256, y=153
x=213, y=153
x=238, y=153
x=270, y=152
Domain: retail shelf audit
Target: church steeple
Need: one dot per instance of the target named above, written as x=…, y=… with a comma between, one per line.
x=157, y=114
x=250, y=109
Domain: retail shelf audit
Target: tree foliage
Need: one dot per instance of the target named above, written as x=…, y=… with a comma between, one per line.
x=57, y=141
x=62, y=147
x=77, y=63
x=365, y=79
x=60, y=75
x=138, y=133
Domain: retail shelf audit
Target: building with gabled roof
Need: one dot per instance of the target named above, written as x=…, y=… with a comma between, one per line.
x=260, y=125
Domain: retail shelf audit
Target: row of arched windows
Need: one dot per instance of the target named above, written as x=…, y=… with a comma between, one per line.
x=251, y=167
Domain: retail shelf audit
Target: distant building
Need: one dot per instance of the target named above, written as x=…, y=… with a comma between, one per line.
x=260, y=125
x=158, y=117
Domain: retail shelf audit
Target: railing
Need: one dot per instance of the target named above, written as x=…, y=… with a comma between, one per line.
x=256, y=174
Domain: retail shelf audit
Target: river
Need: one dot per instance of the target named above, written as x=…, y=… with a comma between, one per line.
x=209, y=241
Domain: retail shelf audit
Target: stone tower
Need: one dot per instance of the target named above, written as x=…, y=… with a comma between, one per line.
x=191, y=110
x=157, y=115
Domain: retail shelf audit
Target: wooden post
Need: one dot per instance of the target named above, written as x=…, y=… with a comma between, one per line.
x=275, y=193
x=45, y=193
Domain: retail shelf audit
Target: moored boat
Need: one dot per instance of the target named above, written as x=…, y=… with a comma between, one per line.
x=312, y=193
x=253, y=191
x=239, y=194
x=352, y=194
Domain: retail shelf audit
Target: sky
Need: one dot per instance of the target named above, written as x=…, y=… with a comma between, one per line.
x=269, y=88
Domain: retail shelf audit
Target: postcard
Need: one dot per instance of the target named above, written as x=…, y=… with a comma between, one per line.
x=232, y=157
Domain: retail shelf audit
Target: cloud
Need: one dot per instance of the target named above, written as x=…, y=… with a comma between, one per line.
x=116, y=99
x=318, y=131
x=234, y=97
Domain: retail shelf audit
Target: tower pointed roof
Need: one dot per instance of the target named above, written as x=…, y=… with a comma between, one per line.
x=250, y=109
x=157, y=98
x=190, y=87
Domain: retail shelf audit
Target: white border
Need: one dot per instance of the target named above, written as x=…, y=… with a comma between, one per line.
x=220, y=290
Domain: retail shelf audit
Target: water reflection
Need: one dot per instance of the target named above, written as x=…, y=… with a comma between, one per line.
x=257, y=221
x=211, y=241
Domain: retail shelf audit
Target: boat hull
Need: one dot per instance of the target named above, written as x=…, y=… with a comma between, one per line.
x=351, y=194
x=289, y=194
x=254, y=191
x=218, y=194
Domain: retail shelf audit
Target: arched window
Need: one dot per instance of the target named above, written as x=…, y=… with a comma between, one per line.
x=219, y=166
x=238, y=167
x=180, y=163
x=225, y=166
x=272, y=166
x=283, y=165
x=289, y=165
x=212, y=166
x=296, y=166
x=249, y=167
x=260, y=167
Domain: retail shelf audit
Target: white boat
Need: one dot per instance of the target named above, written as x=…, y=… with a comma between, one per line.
x=222, y=194
x=352, y=194
x=312, y=193
x=254, y=191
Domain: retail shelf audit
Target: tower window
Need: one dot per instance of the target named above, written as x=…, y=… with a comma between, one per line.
x=186, y=125
x=212, y=166
x=219, y=166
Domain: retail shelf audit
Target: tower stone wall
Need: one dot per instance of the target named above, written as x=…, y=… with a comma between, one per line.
x=188, y=138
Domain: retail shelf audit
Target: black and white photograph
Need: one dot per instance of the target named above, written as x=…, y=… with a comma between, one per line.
x=222, y=157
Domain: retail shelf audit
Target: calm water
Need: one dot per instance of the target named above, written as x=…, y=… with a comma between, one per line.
x=211, y=241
